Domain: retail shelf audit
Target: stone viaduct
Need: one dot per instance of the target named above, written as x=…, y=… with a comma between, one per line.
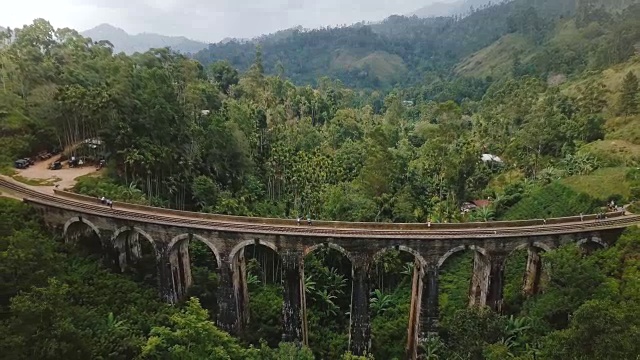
x=169, y=232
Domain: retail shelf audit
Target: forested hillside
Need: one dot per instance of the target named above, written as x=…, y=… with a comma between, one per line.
x=420, y=45
x=560, y=109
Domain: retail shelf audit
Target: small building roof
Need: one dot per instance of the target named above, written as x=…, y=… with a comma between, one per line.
x=481, y=203
x=490, y=157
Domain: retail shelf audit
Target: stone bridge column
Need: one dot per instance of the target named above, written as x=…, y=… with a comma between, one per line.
x=496, y=282
x=479, y=280
x=241, y=290
x=426, y=300
x=227, y=318
x=487, y=281
x=360, y=326
x=533, y=273
x=233, y=294
x=294, y=309
x=413, y=330
x=128, y=249
x=431, y=310
x=181, y=269
x=166, y=282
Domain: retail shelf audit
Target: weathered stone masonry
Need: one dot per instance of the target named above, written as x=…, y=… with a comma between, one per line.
x=122, y=238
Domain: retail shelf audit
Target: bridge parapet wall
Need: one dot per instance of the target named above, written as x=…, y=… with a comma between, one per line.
x=339, y=224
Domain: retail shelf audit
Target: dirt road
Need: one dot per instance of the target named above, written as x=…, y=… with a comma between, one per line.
x=63, y=178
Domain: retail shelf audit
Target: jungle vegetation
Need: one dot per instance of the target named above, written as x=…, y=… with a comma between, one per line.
x=550, y=88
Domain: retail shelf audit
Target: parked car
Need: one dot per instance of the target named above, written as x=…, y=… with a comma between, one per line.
x=56, y=165
x=21, y=164
x=44, y=155
x=29, y=161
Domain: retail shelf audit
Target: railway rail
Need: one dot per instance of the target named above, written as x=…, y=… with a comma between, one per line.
x=29, y=195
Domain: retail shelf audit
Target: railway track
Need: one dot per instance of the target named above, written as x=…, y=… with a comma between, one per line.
x=31, y=195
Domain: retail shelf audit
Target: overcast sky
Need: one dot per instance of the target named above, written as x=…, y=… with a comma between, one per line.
x=205, y=20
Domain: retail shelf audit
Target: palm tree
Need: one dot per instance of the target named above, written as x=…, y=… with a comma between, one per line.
x=513, y=329
x=113, y=324
x=431, y=346
x=310, y=285
x=380, y=302
x=484, y=213
x=408, y=269
x=326, y=301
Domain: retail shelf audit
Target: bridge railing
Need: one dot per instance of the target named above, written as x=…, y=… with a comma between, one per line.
x=335, y=224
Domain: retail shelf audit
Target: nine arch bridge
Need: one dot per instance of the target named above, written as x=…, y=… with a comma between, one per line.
x=122, y=229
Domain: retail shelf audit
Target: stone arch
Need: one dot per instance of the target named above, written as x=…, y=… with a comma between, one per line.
x=456, y=249
x=76, y=219
x=595, y=240
x=423, y=262
x=177, y=239
x=124, y=229
x=333, y=246
x=241, y=245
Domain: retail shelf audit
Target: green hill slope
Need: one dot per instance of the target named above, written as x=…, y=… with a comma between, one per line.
x=495, y=60
x=389, y=49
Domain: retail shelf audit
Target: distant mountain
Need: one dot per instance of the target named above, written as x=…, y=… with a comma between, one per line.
x=459, y=7
x=130, y=44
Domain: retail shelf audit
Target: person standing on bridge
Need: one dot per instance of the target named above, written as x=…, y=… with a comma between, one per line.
x=298, y=219
x=110, y=203
x=308, y=219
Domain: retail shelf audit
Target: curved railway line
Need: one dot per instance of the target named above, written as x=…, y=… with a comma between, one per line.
x=347, y=230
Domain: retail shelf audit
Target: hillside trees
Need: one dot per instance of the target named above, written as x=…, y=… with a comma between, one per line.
x=629, y=96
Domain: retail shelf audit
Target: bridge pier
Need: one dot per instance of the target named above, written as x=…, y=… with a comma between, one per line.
x=426, y=301
x=487, y=281
x=166, y=284
x=533, y=273
x=479, y=280
x=430, y=301
x=241, y=291
x=181, y=269
x=360, y=326
x=496, y=283
x=294, y=309
x=226, y=296
x=413, y=330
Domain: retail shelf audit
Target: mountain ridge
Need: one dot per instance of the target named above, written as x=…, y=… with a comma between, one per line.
x=129, y=44
x=449, y=8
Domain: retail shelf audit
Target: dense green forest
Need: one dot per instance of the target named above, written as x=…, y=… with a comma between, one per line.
x=407, y=50
x=303, y=126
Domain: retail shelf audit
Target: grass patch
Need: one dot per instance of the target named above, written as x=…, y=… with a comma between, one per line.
x=611, y=78
x=625, y=128
x=613, y=153
x=553, y=200
x=602, y=184
x=37, y=182
x=7, y=170
x=496, y=59
x=389, y=68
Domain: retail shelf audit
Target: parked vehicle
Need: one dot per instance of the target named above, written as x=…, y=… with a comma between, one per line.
x=29, y=161
x=21, y=164
x=44, y=155
x=56, y=165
